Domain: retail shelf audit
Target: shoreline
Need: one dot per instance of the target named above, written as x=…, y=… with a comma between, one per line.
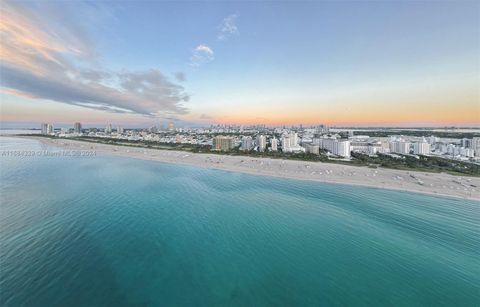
x=434, y=184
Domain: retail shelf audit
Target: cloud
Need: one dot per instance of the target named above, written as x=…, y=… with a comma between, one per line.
x=147, y=93
x=202, y=54
x=180, y=76
x=45, y=61
x=228, y=27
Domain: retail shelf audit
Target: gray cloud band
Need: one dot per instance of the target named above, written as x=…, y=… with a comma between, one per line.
x=35, y=64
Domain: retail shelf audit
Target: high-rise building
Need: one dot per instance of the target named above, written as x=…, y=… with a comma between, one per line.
x=50, y=129
x=171, y=126
x=44, y=128
x=328, y=143
x=336, y=146
x=293, y=139
x=223, y=143
x=421, y=148
x=467, y=152
x=77, y=128
x=401, y=147
x=467, y=143
x=290, y=143
x=119, y=130
x=108, y=129
x=274, y=144
x=247, y=143
x=476, y=146
x=359, y=146
x=342, y=148
x=261, y=142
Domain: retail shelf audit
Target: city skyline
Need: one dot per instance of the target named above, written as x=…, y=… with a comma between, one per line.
x=314, y=141
x=345, y=64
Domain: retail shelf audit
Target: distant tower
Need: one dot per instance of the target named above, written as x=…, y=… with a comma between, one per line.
x=44, y=128
x=171, y=126
x=108, y=129
x=293, y=139
x=77, y=128
x=50, y=129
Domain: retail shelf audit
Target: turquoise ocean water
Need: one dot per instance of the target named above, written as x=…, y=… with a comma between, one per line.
x=109, y=231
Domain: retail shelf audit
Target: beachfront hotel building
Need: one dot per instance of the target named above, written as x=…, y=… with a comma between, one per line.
x=222, y=143
x=336, y=146
x=400, y=147
x=274, y=144
x=290, y=143
x=342, y=148
x=261, y=142
x=247, y=143
x=421, y=148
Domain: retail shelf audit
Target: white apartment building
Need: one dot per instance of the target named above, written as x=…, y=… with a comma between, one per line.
x=476, y=146
x=467, y=152
x=342, y=148
x=290, y=143
x=274, y=144
x=421, y=148
x=328, y=143
x=50, y=129
x=334, y=145
x=247, y=143
x=44, y=128
x=261, y=142
x=401, y=147
x=359, y=146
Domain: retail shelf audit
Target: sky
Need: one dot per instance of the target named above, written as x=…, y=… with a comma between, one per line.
x=143, y=63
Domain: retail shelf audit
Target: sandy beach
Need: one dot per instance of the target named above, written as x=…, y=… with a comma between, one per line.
x=440, y=184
